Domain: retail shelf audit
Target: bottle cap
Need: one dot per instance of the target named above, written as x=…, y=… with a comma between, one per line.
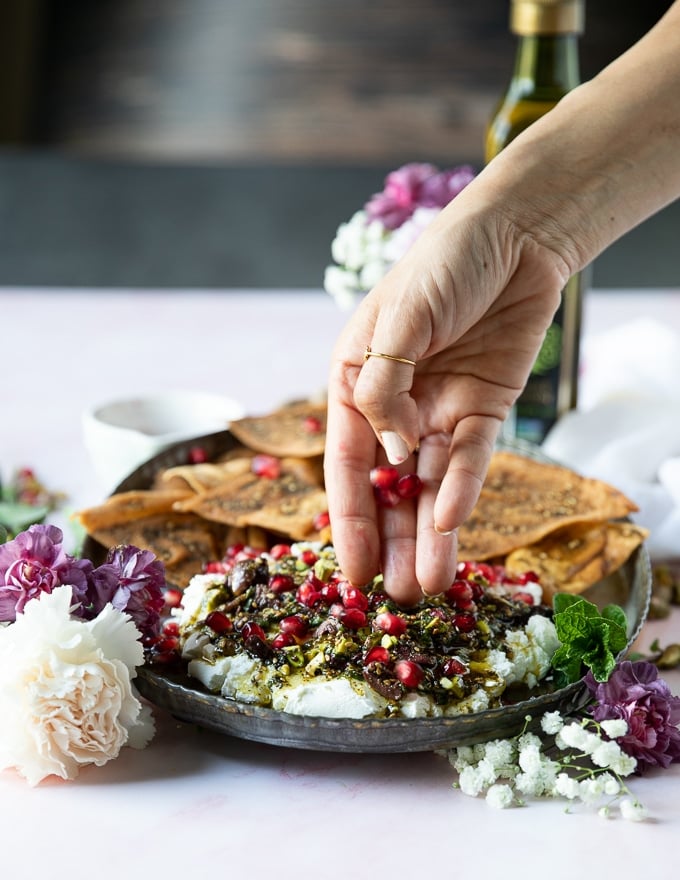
x=535, y=17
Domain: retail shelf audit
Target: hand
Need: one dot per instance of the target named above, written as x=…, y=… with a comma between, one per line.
x=470, y=304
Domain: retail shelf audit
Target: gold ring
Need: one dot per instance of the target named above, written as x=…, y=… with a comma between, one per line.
x=388, y=357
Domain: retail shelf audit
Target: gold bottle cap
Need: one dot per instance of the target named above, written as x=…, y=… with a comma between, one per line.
x=533, y=17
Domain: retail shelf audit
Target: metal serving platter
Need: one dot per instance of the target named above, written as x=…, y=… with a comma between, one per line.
x=185, y=698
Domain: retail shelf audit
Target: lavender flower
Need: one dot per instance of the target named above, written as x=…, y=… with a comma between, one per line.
x=132, y=580
x=636, y=694
x=35, y=562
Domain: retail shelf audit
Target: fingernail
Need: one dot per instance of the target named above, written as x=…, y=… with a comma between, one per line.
x=395, y=448
x=443, y=532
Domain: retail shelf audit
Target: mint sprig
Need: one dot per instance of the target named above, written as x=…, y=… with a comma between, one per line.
x=589, y=638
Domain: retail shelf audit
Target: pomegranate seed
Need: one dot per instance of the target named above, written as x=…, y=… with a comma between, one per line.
x=409, y=673
x=309, y=557
x=281, y=583
x=219, y=622
x=283, y=640
x=386, y=497
x=353, y=618
x=523, y=597
x=215, y=567
x=460, y=593
x=171, y=628
x=166, y=645
x=330, y=593
x=266, y=466
x=233, y=550
x=389, y=623
x=294, y=625
x=409, y=486
x=250, y=629
x=172, y=597
x=377, y=654
x=353, y=597
x=197, y=455
x=464, y=622
x=336, y=610
x=321, y=521
x=454, y=667
x=526, y=577
x=384, y=477
x=312, y=425
x=278, y=551
x=308, y=595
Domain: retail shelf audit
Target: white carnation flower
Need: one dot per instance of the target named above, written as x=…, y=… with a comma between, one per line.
x=66, y=698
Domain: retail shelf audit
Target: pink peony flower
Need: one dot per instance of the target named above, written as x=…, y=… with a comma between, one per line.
x=415, y=185
x=636, y=694
x=35, y=562
x=132, y=580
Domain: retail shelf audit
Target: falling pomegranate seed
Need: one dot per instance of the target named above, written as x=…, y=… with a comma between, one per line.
x=409, y=673
x=197, y=455
x=294, y=625
x=409, y=486
x=219, y=622
x=353, y=618
x=377, y=654
x=312, y=425
x=384, y=477
x=390, y=623
x=281, y=583
x=321, y=520
x=386, y=497
x=172, y=597
x=353, y=597
x=267, y=466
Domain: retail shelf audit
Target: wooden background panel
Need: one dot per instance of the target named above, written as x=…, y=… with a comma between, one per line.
x=322, y=81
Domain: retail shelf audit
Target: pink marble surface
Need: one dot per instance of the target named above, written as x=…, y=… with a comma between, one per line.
x=198, y=802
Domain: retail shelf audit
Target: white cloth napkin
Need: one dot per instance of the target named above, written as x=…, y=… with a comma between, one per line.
x=626, y=430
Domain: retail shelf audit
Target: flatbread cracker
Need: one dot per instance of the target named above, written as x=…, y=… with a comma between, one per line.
x=298, y=429
x=125, y=507
x=523, y=500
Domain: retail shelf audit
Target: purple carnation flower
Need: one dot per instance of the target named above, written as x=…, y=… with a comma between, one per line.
x=635, y=693
x=35, y=562
x=132, y=580
x=416, y=185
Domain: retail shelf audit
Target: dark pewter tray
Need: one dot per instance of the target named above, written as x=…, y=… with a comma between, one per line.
x=184, y=697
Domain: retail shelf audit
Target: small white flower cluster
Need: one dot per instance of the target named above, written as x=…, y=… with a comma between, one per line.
x=582, y=762
x=365, y=250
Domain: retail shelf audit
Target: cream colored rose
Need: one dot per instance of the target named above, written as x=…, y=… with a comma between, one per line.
x=66, y=698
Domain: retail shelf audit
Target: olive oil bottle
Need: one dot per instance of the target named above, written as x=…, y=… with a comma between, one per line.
x=546, y=68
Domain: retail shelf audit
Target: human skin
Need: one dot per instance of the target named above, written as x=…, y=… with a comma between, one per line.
x=470, y=303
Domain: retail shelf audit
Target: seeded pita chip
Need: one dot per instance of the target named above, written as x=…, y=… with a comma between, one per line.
x=523, y=500
x=183, y=542
x=200, y=477
x=125, y=507
x=298, y=429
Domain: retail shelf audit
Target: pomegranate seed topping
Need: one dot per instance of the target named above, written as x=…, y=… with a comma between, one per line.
x=321, y=520
x=266, y=466
x=219, y=622
x=172, y=598
x=409, y=486
x=409, y=673
x=294, y=625
x=278, y=551
x=309, y=557
x=215, y=567
x=336, y=610
x=454, y=667
x=165, y=645
x=389, y=623
x=281, y=583
x=353, y=618
x=308, y=595
x=477, y=591
x=377, y=654
x=250, y=629
x=330, y=593
x=523, y=597
x=526, y=577
x=384, y=477
x=353, y=597
x=312, y=425
x=283, y=640
x=386, y=497
x=233, y=550
x=464, y=622
x=171, y=628
x=460, y=593
x=197, y=455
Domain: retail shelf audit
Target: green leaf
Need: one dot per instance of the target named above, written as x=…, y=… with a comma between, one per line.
x=16, y=516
